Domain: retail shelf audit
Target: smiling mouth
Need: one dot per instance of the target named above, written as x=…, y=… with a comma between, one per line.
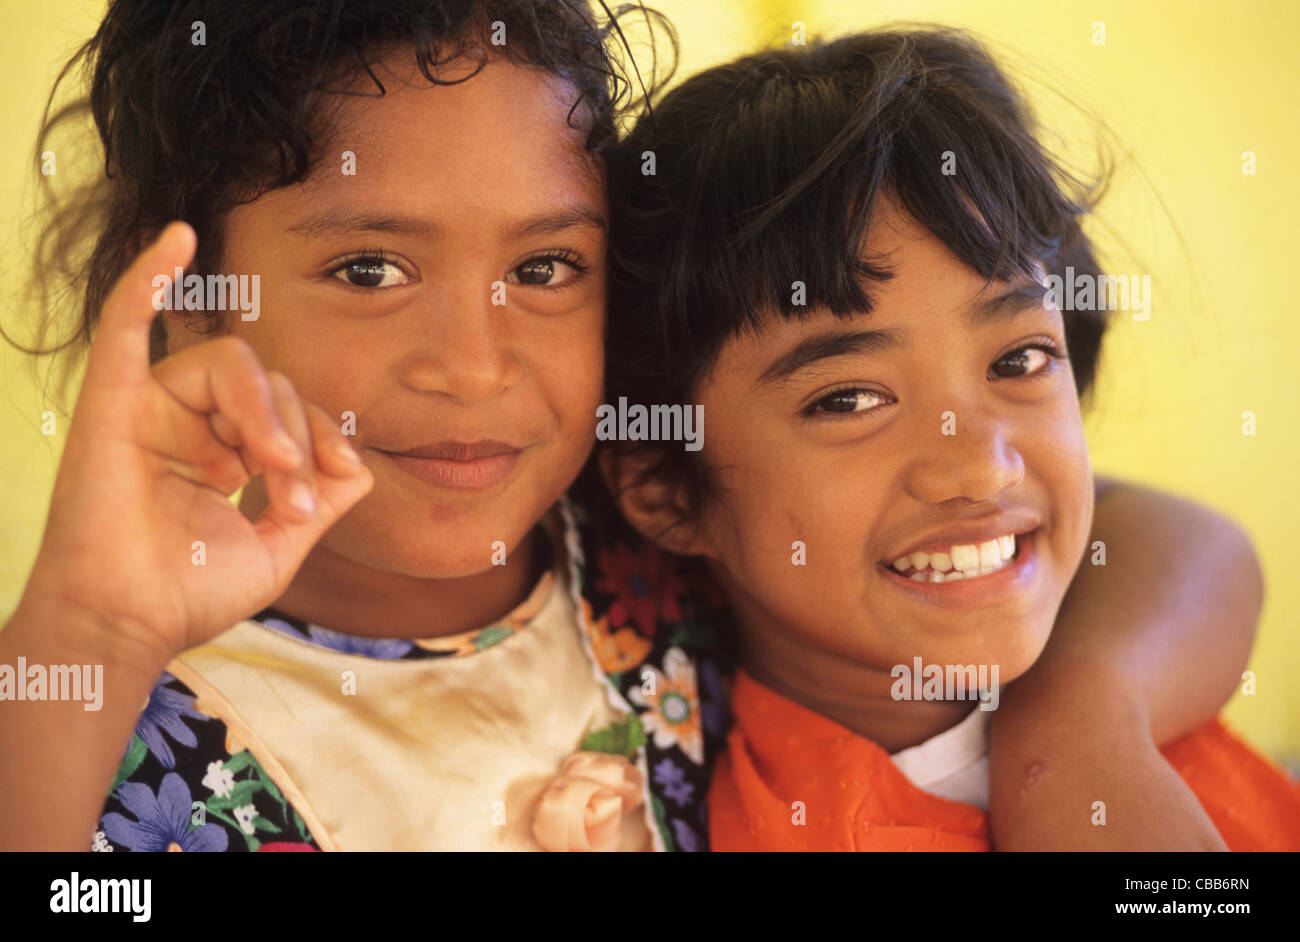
x=961, y=561
x=464, y=468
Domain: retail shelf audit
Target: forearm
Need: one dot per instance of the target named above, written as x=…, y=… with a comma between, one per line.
x=1146, y=648
x=1072, y=766
x=59, y=758
x=1171, y=615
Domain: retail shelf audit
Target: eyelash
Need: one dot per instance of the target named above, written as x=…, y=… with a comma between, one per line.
x=377, y=257
x=568, y=256
x=373, y=257
x=1053, y=352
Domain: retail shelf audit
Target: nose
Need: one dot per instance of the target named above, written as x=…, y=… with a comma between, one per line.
x=463, y=346
x=977, y=462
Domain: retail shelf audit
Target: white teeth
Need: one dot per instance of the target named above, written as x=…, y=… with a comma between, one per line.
x=965, y=557
x=963, y=561
x=990, y=555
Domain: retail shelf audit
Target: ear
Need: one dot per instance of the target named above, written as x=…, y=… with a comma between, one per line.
x=658, y=509
x=176, y=333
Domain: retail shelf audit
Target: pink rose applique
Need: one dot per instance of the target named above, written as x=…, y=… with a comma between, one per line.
x=583, y=807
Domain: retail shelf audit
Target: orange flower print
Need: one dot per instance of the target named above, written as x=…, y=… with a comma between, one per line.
x=615, y=651
x=672, y=714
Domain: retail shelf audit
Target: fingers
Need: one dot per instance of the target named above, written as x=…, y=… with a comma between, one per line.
x=297, y=494
x=335, y=481
x=334, y=454
x=293, y=492
x=224, y=379
x=220, y=418
x=119, y=353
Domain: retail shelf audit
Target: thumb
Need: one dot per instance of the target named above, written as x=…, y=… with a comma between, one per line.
x=119, y=353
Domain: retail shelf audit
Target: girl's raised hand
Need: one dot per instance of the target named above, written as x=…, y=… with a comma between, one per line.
x=152, y=456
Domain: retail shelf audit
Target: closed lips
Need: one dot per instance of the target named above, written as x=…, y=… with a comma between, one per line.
x=459, y=451
x=459, y=465
x=959, y=561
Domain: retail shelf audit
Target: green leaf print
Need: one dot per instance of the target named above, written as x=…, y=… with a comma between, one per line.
x=135, y=754
x=302, y=828
x=261, y=776
x=662, y=820
x=620, y=739
x=490, y=636
x=241, y=794
x=240, y=761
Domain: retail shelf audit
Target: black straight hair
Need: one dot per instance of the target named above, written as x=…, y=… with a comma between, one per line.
x=765, y=171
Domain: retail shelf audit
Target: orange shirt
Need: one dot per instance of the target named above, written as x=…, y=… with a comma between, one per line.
x=854, y=798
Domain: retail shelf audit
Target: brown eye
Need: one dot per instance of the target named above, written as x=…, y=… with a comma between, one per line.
x=369, y=272
x=1023, y=362
x=547, y=271
x=845, y=401
x=537, y=271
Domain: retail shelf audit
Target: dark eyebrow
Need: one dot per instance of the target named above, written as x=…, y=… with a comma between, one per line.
x=344, y=221
x=557, y=222
x=1007, y=305
x=824, y=346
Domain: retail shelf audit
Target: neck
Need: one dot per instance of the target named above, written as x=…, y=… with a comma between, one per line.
x=343, y=595
x=853, y=694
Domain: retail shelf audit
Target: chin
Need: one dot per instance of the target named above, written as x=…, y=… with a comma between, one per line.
x=1012, y=643
x=1019, y=650
x=429, y=551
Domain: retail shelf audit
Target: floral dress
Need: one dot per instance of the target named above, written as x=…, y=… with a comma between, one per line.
x=653, y=624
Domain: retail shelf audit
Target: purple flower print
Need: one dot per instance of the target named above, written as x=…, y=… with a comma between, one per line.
x=685, y=836
x=163, y=715
x=673, y=778
x=385, y=649
x=161, y=820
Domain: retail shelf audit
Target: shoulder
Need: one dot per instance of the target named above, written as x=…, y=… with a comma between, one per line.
x=185, y=783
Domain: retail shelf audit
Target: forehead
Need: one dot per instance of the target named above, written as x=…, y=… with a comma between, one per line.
x=501, y=139
x=932, y=293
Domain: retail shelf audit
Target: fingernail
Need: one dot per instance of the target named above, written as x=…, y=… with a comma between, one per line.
x=286, y=445
x=347, y=453
x=301, y=499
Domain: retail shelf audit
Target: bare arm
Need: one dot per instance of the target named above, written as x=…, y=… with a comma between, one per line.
x=1145, y=649
x=152, y=456
x=60, y=757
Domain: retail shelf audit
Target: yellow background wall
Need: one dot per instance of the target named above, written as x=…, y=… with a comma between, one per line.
x=1186, y=87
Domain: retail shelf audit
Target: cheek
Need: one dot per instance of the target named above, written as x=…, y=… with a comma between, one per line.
x=1060, y=451
x=793, y=526
x=331, y=363
x=568, y=361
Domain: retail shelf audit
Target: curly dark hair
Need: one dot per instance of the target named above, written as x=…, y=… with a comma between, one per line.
x=772, y=164
x=189, y=132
